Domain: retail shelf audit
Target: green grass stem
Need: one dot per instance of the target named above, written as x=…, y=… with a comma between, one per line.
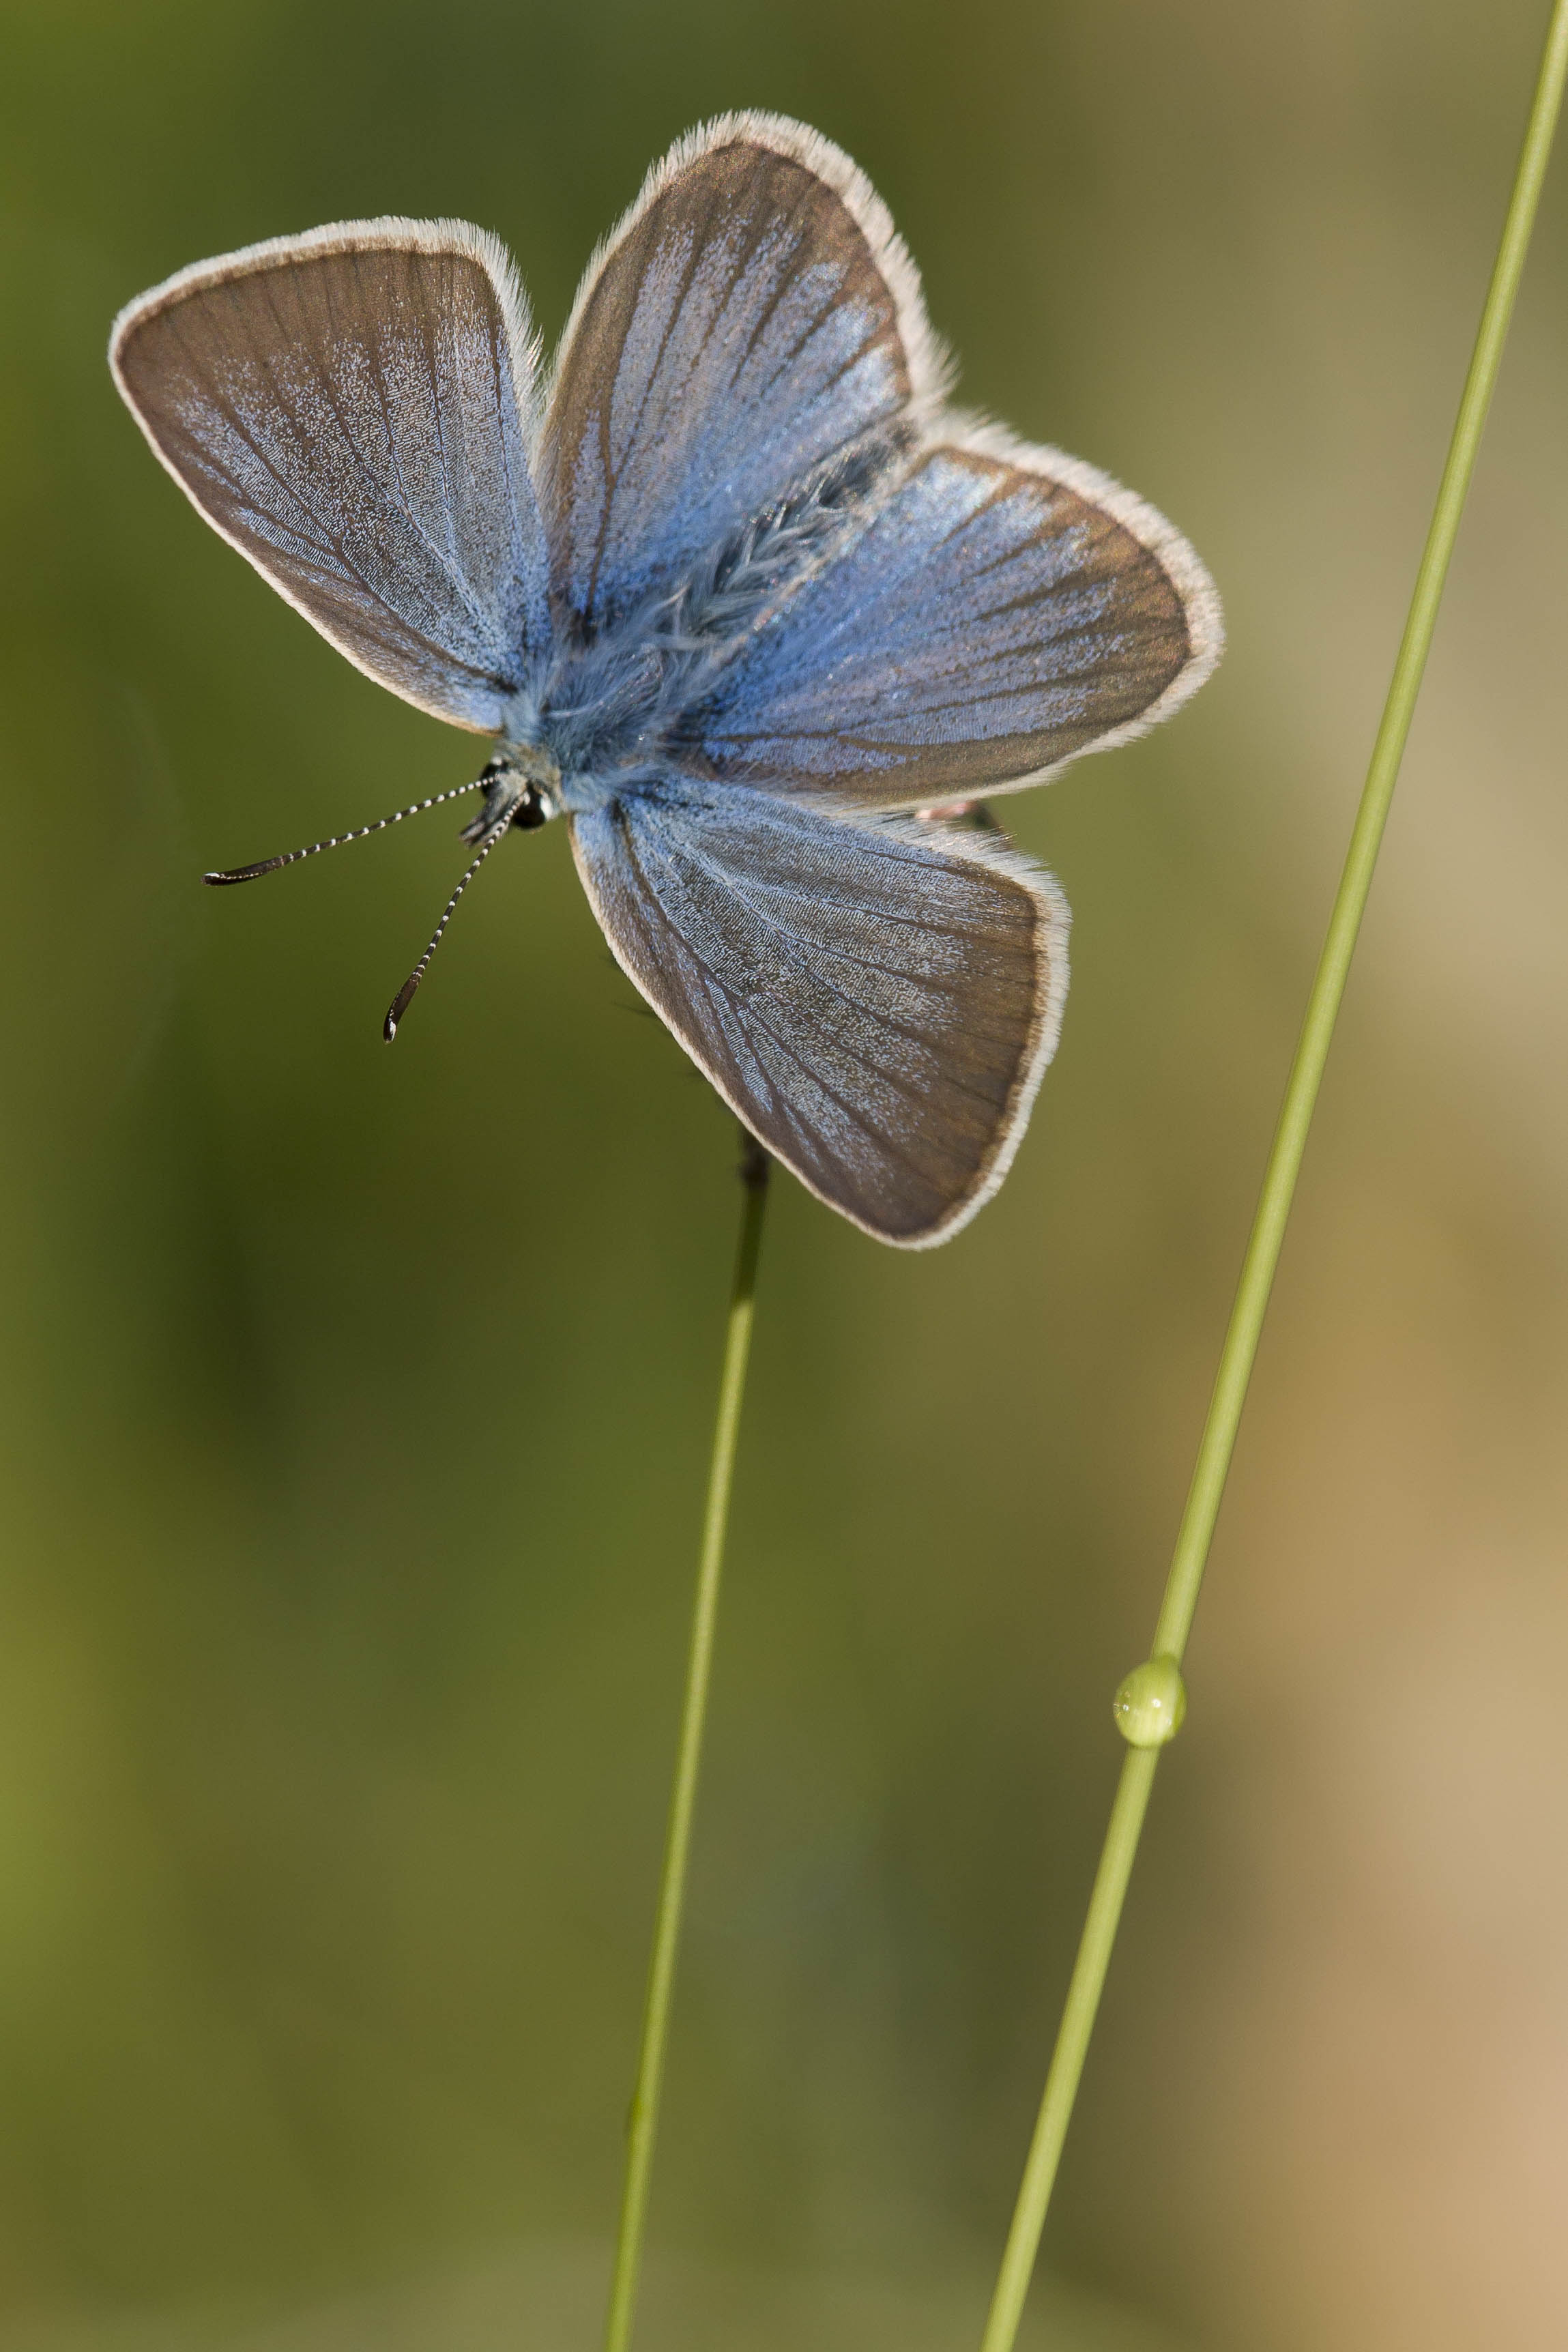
x=1240, y=1347
x=642, y=2122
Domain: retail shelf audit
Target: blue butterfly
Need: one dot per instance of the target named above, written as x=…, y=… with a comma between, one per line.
x=735, y=593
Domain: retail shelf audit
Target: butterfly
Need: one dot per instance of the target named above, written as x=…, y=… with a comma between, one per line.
x=735, y=591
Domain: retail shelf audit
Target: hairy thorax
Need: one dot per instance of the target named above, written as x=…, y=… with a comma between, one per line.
x=611, y=712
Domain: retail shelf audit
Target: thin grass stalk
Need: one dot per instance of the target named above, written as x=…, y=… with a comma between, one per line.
x=1151, y=1701
x=642, y=2122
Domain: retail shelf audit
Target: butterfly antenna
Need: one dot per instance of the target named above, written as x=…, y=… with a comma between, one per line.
x=404, y=996
x=292, y=857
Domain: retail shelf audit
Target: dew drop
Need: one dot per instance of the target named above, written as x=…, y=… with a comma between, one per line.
x=1150, y=1703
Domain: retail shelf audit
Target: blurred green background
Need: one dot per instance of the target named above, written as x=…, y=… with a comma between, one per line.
x=356, y=1404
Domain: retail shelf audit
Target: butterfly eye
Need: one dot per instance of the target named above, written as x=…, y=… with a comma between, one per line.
x=534, y=809
x=521, y=788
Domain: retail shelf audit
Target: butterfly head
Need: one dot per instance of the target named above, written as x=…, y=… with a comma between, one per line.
x=522, y=786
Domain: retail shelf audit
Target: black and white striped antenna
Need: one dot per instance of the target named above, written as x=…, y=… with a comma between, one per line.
x=404, y=996
x=360, y=833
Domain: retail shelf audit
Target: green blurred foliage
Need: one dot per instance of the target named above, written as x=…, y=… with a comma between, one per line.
x=356, y=1404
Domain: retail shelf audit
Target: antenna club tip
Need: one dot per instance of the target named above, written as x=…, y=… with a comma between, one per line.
x=389, y=1029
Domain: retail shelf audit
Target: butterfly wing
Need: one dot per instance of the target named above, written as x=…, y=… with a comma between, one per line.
x=347, y=408
x=1005, y=609
x=753, y=317
x=876, y=1002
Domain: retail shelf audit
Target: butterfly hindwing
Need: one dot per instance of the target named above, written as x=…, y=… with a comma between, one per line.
x=1005, y=609
x=754, y=317
x=876, y=1002
x=347, y=409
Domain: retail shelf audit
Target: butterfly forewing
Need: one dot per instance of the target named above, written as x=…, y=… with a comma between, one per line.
x=345, y=408
x=998, y=615
x=876, y=1002
x=753, y=317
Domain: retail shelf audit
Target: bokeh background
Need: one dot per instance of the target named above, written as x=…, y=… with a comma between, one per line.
x=355, y=1404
